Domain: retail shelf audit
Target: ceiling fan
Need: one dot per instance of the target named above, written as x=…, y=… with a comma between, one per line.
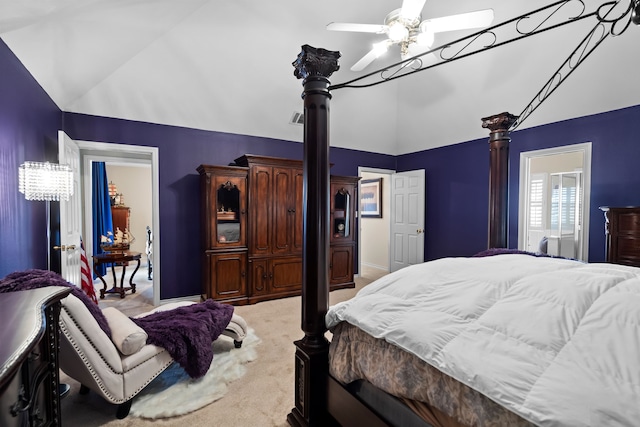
x=404, y=27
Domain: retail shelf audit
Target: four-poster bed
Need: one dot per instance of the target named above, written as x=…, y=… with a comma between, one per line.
x=322, y=399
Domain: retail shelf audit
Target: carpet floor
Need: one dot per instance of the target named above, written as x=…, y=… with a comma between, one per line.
x=261, y=398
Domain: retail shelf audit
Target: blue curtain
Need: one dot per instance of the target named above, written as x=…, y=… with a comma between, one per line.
x=101, y=204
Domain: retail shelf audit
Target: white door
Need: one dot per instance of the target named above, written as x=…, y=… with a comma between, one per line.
x=407, y=219
x=70, y=212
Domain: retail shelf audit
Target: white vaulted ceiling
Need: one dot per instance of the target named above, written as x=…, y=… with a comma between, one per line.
x=226, y=66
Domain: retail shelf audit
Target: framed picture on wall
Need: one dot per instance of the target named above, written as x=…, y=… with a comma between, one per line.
x=371, y=198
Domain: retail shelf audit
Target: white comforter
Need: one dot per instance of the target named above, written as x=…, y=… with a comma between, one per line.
x=553, y=340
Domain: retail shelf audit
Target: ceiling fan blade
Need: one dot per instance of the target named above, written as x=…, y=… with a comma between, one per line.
x=411, y=9
x=378, y=49
x=463, y=21
x=361, y=28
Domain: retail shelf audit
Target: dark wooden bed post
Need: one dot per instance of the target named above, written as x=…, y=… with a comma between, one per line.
x=314, y=66
x=499, y=139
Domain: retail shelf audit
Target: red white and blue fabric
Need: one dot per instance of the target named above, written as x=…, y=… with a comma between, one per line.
x=85, y=275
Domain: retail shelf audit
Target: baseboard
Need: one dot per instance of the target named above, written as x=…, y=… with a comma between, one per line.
x=193, y=298
x=377, y=267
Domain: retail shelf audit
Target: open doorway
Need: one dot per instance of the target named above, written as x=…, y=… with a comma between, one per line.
x=129, y=164
x=373, y=244
x=554, y=201
x=395, y=238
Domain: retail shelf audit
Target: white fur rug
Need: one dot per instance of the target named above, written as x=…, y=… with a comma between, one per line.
x=174, y=393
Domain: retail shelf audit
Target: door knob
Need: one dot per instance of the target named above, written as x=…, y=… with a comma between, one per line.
x=64, y=248
x=420, y=230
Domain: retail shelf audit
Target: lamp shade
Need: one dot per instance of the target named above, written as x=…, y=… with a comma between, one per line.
x=45, y=181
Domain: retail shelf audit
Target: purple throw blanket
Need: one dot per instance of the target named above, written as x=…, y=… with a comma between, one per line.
x=185, y=332
x=500, y=251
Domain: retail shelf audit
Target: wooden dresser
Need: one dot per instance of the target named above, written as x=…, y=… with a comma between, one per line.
x=121, y=216
x=29, y=376
x=252, y=230
x=622, y=230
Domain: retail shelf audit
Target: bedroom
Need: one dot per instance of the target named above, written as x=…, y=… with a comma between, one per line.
x=456, y=174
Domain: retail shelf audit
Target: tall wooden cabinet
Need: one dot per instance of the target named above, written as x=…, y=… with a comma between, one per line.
x=121, y=217
x=343, y=227
x=252, y=227
x=622, y=230
x=223, y=193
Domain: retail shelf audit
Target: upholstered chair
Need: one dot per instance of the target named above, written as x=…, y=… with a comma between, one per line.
x=116, y=368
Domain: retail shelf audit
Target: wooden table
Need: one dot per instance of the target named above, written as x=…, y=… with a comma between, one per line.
x=120, y=258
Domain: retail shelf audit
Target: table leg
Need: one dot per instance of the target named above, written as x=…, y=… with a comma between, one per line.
x=133, y=285
x=124, y=269
x=113, y=272
x=104, y=284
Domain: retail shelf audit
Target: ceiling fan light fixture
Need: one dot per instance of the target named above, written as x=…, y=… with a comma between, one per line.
x=404, y=27
x=397, y=31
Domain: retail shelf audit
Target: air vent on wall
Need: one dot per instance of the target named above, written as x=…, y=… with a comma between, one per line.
x=297, y=118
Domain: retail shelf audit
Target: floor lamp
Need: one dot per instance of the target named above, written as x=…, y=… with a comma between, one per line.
x=49, y=182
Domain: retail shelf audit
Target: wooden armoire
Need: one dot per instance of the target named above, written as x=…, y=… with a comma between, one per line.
x=252, y=229
x=622, y=231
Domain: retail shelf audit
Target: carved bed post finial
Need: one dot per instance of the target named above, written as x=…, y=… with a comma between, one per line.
x=314, y=66
x=499, y=139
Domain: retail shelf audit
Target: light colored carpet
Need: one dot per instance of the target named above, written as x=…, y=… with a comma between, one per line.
x=262, y=397
x=174, y=393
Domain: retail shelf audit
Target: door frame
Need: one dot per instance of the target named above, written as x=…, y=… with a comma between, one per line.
x=365, y=169
x=525, y=158
x=123, y=153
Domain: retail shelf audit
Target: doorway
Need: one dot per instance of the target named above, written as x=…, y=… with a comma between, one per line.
x=373, y=238
x=396, y=238
x=554, y=201
x=135, y=158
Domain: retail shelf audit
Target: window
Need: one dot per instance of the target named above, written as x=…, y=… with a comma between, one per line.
x=563, y=206
x=536, y=200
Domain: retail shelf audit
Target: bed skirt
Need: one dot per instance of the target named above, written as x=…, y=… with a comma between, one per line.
x=437, y=398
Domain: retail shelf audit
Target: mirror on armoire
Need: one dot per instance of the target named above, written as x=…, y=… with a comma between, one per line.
x=228, y=213
x=341, y=214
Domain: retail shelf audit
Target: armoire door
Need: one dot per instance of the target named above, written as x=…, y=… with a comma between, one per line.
x=228, y=211
x=286, y=274
x=340, y=264
x=287, y=210
x=260, y=202
x=298, y=182
x=227, y=276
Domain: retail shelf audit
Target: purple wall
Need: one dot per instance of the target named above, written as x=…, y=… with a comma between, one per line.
x=29, y=123
x=181, y=151
x=458, y=178
x=456, y=181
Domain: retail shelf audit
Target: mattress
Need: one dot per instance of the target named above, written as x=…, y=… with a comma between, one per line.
x=554, y=341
